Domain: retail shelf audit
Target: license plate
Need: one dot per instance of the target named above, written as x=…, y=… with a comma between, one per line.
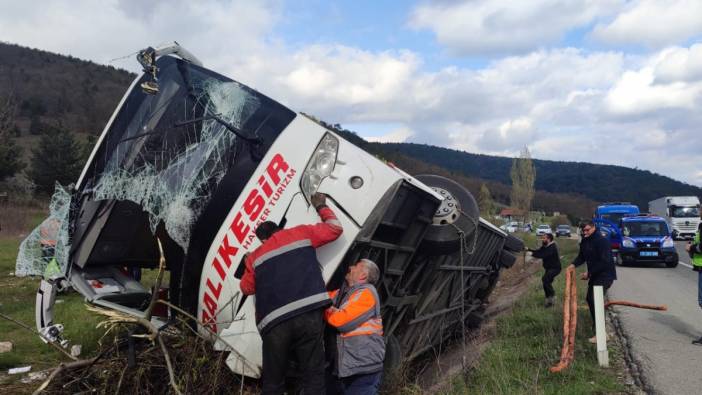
x=648, y=253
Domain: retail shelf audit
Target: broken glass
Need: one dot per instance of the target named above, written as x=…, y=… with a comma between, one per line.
x=44, y=252
x=171, y=171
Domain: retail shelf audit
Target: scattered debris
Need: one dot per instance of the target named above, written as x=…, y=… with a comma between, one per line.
x=76, y=349
x=35, y=376
x=5, y=347
x=59, y=301
x=23, y=369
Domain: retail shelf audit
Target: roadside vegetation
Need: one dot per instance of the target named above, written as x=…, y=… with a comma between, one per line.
x=528, y=342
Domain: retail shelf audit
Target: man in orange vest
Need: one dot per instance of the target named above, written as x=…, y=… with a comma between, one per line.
x=360, y=347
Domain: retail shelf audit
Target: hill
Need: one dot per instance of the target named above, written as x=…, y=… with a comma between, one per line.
x=58, y=91
x=597, y=182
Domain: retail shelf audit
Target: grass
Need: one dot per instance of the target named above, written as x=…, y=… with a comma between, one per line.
x=528, y=341
x=17, y=296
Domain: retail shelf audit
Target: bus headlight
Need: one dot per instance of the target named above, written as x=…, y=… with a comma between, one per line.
x=320, y=165
x=668, y=243
x=627, y=243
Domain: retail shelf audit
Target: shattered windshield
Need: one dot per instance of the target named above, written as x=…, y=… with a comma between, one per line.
x=167, y=168
x=168, y=153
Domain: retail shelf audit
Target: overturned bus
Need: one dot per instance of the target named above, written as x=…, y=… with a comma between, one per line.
x=198, y=160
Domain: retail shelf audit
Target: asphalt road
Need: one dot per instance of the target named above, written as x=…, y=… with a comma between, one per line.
x=660, y=341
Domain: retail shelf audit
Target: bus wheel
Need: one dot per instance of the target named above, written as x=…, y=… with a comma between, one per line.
x=458, y=211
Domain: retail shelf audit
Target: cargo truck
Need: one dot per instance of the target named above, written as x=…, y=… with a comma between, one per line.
x=682, y=213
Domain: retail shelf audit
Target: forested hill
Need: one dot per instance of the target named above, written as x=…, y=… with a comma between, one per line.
x=50, y=90
x=597, y=182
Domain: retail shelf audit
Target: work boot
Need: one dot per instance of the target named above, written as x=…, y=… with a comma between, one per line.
x=697, y=342
x=548, y=302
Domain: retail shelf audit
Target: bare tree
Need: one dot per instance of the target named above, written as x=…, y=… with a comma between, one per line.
x=523, y=175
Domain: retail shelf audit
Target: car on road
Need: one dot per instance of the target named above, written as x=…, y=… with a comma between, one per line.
x=511, y=227
x=563, y=230
x=647, y=239
x=543, y=229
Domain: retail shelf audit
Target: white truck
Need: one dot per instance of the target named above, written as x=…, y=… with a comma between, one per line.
x=682, y=213
x=198, y=160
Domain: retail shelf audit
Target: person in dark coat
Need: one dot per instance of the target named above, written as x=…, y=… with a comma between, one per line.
x=596, y=252
x=548, y=253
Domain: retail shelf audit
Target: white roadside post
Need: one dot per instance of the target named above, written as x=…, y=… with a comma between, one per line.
x=600, y=332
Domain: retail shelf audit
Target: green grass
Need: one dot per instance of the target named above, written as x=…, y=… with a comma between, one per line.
x=528, y=341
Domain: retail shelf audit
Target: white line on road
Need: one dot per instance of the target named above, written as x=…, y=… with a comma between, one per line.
x=685, y=264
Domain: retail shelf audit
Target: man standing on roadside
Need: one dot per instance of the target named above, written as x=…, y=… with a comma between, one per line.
x=360, y=347
x=548, y=253
x=596, y=252
x=291, y=297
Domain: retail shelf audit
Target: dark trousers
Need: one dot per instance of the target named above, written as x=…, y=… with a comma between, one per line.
x=300, y=339
x=361, y=384
x=591, y=297
x=547, y=281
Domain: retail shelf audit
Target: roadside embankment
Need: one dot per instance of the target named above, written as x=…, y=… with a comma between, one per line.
x=516, y=346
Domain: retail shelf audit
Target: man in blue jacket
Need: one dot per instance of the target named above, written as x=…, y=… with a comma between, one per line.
x=596, y=252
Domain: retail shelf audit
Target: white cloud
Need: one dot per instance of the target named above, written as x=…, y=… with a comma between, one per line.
x=399, y=135
x=105, y=30
x=481, y=27
x=679, y=64
x=654, y=23
x=669, y=80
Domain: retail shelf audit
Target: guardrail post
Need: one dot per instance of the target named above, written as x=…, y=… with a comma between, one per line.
x=600, y=332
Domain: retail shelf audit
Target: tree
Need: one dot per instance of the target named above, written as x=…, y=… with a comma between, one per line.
x=10, y=152
x=485, y=202
x=56, y=158
x=523, y=176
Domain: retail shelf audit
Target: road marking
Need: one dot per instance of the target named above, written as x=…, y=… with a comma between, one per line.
x=685, y=264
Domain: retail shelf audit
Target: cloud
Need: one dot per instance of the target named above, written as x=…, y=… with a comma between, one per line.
x=670, y=79
x=511, y=135
x=105, y=30
x=487, y=27
x=399, y=135
x=679, y=65
x=653, y=23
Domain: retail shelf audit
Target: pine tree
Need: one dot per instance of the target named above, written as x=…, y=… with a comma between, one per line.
x=56, y=158
x=485, y=202
x=523, y=176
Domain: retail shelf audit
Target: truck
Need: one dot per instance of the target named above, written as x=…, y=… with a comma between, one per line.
x=608, y=218
x=682, y=213
x=647, y=239
x=192, y=161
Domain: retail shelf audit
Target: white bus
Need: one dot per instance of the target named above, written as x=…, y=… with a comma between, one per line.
x=198, y=160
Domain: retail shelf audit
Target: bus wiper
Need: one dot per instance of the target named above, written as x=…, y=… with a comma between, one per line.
x=227, y=125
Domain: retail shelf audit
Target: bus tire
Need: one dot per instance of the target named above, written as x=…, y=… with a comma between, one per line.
x=442, y=237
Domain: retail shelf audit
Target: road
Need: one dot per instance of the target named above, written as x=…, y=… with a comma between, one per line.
x=660, y=341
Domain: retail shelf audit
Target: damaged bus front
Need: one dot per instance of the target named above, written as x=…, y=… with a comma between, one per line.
x=198, y=161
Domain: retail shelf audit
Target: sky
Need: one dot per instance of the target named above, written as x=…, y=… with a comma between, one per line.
x=609, y=81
